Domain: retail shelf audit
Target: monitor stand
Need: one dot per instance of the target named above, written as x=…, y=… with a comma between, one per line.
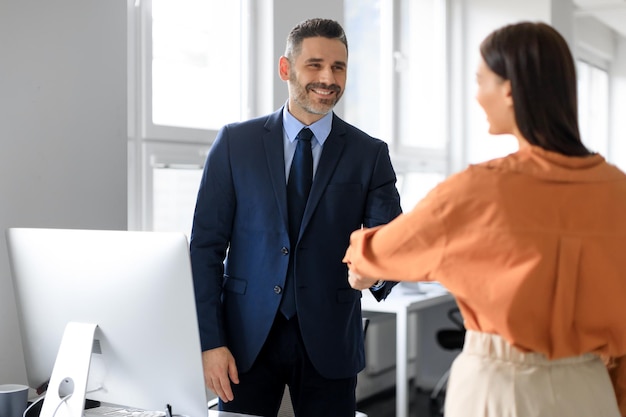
x=66, y=392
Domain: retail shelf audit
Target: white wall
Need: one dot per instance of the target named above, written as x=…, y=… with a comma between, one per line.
x=62, y=129
x=594, y=41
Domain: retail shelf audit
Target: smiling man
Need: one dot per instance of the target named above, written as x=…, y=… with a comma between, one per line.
x=277, y=202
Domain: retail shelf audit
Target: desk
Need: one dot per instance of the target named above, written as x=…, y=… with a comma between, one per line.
x=215, y=413
x=403, y=300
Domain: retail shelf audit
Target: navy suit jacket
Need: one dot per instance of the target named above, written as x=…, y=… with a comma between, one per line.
x=241, y=217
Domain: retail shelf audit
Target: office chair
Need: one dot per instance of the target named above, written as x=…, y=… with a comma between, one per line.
x=448, y=339
x=286, y=409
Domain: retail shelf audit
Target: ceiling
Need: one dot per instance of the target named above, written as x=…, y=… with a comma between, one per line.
x=610, y=12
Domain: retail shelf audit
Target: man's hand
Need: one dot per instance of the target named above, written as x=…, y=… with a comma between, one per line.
x=359, y=282
x=219, y=370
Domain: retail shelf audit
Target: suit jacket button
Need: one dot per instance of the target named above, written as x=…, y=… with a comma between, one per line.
x=277, y=289
x=284, y=250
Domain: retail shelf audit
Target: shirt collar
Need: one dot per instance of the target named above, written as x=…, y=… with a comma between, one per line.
x=553, y=166
x=321, y=128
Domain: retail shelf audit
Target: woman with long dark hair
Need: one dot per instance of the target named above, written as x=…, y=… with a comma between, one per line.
x=531, y=245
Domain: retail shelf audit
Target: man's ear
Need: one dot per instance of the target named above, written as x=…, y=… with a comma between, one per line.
x=283, y=68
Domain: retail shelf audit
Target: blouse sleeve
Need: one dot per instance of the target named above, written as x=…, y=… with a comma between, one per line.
x=409, y=248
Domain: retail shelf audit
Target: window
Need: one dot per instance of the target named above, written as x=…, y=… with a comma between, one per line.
x=196, y=64
x=420, y=68
x=593, y=106
x=198, y=69
x=186, y=84
x=401, y=97
x=414, y=186
x=174, y=172
x=363, y=90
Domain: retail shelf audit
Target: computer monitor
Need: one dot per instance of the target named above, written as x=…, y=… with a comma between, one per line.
x=135, y=291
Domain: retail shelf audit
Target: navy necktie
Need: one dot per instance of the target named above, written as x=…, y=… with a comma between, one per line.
x=298, y=187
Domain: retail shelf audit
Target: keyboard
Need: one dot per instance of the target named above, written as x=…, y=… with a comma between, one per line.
x=111, y=411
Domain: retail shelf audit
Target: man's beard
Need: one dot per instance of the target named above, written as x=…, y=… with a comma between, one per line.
x=301, y=96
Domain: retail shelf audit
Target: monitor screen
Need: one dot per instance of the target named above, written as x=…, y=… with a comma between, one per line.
x=136, y=289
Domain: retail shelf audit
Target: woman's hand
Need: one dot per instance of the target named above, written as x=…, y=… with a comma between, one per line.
x=359, y=282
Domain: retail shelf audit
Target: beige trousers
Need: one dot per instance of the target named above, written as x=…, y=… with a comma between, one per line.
x=491, y=378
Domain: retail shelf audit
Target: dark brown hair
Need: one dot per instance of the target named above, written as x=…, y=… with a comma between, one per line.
x=535, y=58
x=311, y=28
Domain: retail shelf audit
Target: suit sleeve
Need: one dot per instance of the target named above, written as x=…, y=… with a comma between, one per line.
x=383, y=203
x=383, y=200
x=210, y=236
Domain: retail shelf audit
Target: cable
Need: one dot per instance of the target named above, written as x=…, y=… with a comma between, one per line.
x=67, y=397
x=25, y=413
x=32, y=405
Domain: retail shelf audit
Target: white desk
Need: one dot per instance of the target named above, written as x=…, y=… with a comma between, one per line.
x=115, y=410
x=401, y=302
x=215, y=413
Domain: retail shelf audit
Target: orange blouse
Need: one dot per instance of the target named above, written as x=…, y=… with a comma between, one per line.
x=532, y=246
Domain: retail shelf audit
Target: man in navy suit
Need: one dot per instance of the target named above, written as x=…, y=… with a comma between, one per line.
x=244, y=260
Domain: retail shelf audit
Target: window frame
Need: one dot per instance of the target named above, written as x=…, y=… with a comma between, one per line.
x=150, y=144
x=164, y=155
x=594, y=64
x=149, y=130
x=408, y=159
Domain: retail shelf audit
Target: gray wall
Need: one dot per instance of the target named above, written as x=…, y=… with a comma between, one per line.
x=63, y=130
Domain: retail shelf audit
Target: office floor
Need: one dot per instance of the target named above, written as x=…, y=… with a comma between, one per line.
x=384, y=405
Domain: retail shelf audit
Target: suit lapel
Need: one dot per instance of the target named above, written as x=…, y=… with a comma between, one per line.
x=333, y=148
x=274, y=154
